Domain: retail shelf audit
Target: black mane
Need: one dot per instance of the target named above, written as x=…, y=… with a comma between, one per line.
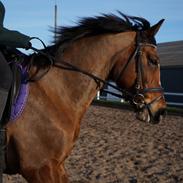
x=106, y=23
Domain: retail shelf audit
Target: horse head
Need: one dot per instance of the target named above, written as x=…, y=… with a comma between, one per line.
x=139, y=74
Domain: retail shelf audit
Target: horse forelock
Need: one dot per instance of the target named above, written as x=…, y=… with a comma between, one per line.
x=144, y=38
x=105, y=23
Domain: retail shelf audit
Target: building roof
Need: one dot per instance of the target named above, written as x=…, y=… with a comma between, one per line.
x=171, y=53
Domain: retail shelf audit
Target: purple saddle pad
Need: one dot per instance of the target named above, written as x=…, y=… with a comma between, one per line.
x=19, y=104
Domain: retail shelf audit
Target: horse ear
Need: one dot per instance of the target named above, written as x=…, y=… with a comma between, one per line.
x=155, y=28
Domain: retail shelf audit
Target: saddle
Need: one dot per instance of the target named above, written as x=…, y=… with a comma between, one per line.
x=15, y=58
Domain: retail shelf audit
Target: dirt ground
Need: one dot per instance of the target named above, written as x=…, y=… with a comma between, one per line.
x=114, y=147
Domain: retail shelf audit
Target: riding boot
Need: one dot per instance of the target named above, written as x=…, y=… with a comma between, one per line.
x=5, y=84
x=3, y=100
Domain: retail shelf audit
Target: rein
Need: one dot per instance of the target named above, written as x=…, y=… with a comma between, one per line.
x=67, y=66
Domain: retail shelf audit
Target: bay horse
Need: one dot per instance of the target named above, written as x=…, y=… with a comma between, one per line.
x=120, y=48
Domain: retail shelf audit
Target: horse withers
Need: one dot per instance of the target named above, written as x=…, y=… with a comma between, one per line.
x=109, y=47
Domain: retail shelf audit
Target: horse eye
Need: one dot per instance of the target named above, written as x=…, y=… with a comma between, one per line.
x=153, y=62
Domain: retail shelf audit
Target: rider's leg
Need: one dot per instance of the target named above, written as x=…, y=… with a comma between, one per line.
x=5, y=83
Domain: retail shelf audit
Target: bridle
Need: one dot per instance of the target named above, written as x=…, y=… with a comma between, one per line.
x=137, y=98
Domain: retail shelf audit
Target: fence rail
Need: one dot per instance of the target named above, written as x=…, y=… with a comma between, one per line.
x=175, y=103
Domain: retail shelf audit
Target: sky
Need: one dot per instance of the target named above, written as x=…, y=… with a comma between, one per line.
x=36, y=17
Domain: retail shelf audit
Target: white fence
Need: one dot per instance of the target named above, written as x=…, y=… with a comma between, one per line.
x=177, y=103
x=110, y=97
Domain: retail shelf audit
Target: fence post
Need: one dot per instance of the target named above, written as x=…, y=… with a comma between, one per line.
x=98, y=95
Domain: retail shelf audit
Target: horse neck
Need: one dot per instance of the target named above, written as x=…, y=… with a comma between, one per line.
x=93, y=55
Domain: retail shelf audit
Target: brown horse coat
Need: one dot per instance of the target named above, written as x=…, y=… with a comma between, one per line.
x=43, y=137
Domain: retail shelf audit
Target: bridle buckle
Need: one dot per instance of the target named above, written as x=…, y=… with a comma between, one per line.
x=139, y=99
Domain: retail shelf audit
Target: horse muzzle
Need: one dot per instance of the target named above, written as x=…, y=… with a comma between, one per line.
x=145, y=111
x=158, y=116
x=145, y=115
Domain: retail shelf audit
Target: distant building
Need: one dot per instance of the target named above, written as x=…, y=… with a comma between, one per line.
x=171, y=59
